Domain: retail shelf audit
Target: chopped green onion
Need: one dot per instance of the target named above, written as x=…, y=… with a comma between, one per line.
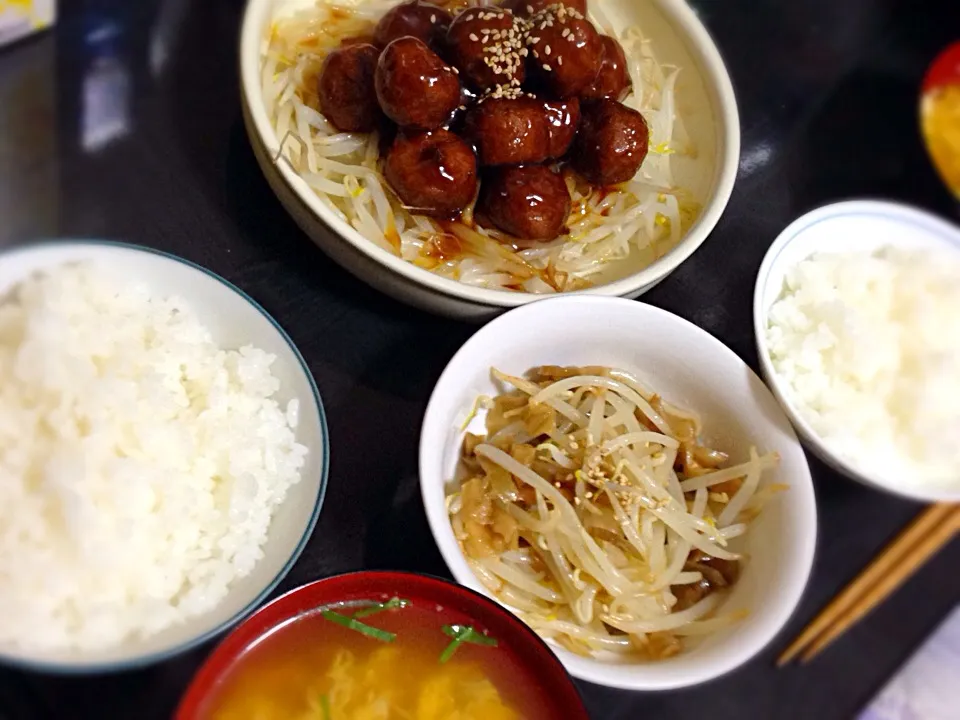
x=319, y=706
x=469, y=635
x=363, y=628
x=449, y=650
x=463, y=634
x=393, y=603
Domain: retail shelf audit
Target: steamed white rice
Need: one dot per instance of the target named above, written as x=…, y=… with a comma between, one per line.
x=140, y=463
x=869, y=346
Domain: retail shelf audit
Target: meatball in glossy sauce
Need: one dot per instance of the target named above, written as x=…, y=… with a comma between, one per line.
x=416, y=89
x=508, y=128
x=563, y=119
x=346, y=88
x=529, y=201
x=565, y=51
x=612, y=81
x=487, y=45
x=433, y=173
x=611, y=143
x=428, y=23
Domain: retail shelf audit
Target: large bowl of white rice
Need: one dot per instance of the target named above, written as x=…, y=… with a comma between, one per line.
x=163, y=455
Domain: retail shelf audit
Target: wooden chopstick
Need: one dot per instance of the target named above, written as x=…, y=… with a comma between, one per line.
x=930, y=531
x=939, y=536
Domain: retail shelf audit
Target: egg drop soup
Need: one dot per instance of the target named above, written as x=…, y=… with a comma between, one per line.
x=422, y=662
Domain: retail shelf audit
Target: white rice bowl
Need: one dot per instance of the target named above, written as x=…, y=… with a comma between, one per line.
x=868, y=348
x=144, y=467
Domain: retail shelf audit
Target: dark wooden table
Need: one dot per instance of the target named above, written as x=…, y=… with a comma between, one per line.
x=125, y=123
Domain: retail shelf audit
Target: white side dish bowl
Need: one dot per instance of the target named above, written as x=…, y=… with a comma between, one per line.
x=860, y=226
x=705, y=96
x=234, y=320
x=690, y=369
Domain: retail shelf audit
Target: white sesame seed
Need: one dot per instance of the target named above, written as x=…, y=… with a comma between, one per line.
x=433, y=19
x=547, y=68
x=559, y=60
x=473, y=36
x=546, y=50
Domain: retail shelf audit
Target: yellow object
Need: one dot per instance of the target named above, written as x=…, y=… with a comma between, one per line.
x=461, y=694
x=19, y=18
x=940, y=111
x=387, y=683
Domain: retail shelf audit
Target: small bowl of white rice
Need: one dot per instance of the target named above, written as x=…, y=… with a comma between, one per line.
x=163, y=456
x=857, y=319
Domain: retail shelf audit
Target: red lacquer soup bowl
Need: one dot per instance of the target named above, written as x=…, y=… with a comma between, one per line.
x=368, y=642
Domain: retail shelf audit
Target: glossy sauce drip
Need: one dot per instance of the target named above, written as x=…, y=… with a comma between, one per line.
x=393, y=237
x=443, y=248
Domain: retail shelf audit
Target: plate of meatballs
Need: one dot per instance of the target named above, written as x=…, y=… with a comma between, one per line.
x=525, y=147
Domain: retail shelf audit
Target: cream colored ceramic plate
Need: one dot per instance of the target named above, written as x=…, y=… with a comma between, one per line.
x=704, y=93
